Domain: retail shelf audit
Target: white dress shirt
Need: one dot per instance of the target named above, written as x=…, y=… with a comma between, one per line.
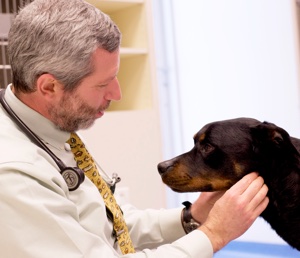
x=40, y=217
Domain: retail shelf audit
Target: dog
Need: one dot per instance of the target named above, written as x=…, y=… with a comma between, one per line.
x=225, y=151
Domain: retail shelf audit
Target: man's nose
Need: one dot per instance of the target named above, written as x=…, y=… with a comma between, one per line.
x=114, y=91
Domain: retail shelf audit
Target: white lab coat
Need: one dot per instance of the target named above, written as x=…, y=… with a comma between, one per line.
x=40, y=218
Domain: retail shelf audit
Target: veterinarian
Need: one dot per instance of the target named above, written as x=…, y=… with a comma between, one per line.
x=64, y=58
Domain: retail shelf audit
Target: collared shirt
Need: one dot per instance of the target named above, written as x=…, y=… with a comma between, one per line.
x=40, y=217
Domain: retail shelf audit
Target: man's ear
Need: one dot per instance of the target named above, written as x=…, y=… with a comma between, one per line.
x=48, y=86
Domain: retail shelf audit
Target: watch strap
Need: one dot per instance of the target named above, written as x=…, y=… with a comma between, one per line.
x=188, y=222
x=187, y=215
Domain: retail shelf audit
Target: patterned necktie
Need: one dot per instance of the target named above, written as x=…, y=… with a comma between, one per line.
x=85, y=162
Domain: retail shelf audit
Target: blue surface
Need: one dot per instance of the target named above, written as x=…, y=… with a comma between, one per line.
x=237, y=249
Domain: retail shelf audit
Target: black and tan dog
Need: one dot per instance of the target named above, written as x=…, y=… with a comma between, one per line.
x=225, y=151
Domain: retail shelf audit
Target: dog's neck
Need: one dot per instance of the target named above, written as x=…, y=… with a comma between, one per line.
x=284, y=176
x=284, y=201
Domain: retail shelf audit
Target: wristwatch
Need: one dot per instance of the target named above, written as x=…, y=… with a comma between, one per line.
x=188, y=222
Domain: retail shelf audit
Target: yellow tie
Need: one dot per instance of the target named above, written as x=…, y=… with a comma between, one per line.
x=85, y=162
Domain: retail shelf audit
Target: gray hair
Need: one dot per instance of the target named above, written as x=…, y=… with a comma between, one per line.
x=58, y=37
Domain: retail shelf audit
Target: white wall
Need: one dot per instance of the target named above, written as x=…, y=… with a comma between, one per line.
x=227, y=59
x=237, y=58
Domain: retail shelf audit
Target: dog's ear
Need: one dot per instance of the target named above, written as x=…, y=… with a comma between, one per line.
x=268, y=136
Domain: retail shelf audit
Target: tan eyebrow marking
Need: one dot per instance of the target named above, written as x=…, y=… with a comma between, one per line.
x=202, y=137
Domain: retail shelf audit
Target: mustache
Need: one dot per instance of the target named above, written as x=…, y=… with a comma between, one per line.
x=106, y=106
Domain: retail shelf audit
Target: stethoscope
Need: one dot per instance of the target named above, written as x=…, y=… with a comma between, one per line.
x=73, y=176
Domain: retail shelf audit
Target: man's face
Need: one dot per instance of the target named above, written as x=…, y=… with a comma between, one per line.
x=80, y=108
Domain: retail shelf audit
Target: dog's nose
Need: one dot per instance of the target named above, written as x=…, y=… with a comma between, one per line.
x=161, y=168
x=164, y=166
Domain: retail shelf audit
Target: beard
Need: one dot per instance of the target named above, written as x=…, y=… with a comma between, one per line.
x=73, y=114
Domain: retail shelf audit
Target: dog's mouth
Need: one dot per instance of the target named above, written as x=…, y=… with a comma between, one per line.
x=189, y=188
x=186, y=183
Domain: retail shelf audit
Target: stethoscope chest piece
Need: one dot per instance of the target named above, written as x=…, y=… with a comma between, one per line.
x=73, y=177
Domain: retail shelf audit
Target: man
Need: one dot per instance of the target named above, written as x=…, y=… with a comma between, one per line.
x=65, y=60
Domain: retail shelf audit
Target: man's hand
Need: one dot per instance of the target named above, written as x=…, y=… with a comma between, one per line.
x=235, y=211
x=202, y=206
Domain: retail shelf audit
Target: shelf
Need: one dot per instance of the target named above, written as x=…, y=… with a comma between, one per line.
x=111, y=6
x=130, y=52
x=6, y=67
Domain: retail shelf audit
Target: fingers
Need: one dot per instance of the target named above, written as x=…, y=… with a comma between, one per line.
x=253, y=192
x=253, y=188
x=244, y=183
x=260, y=201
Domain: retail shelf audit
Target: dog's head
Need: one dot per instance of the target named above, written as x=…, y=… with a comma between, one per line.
x=223, y=153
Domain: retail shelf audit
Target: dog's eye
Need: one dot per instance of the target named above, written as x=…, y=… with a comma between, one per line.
x=206, y=148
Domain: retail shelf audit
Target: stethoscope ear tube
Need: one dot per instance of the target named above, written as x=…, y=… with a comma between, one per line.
x=73, y=176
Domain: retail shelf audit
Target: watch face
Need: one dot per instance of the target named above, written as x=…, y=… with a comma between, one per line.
x=189, y=227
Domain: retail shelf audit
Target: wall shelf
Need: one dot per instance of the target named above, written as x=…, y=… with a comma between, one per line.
x=111, y=6
x=131, y=52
